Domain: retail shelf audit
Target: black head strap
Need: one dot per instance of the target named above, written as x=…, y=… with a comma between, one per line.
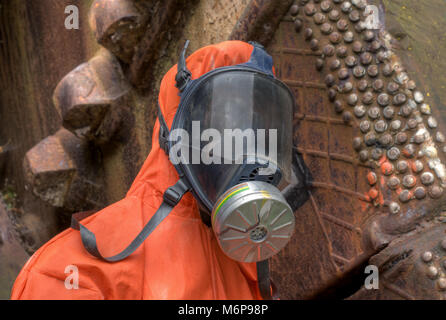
x=184, y=75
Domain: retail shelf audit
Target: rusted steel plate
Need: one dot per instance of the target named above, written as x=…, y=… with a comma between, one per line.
x=368, y=137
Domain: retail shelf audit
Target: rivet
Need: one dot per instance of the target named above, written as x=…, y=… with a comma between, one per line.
x=326, y=28
x=367, y=98
x=388, y=113
x=394, y=208
x=383, y=99
x=342, y=51
x=435, y=192
x=343, y=74
x=386, y=140
x=417, y=166
x=319, y=64
x=393, y=183
x=380, y=126
x=409, y=181
x=377, y=153
x=334, y=15
x=432, y=272
x=298, y=25
x=354, y=16
x=357, y=143
x=364, y=155
x=411, y=85
x=399, y=99
x=335, y=38
x=346, y=7
x=360, y=4
x=402, y=77
x=443, y=244
x=342, y=25
x=439, y=137
x=369, y=35
x=294, y=10
x=359, y=111
x=352, y=99
x=418, y=96
x=393, y=87
x=372, y=178
x=363, y=85
x=412, y=123
x=373, y=70
x=396, y=124
x=326, y=6
x=347, y=116
x=375, y=46
x=373, y=193
x=329, y=80
x=370, y=139
x=420, y=193
x=427, y=256
x=419, y=138
x=332, y=93
x=393, y=153
x=387, y=70
x=366, y=58
x=402, y=166
x=425, y=109
x=328, y=50
x=405, y=196
x=365, y=126
x=378, y=85
x=401, y=138
x=346, y=87
x=314, y=44
x=441, y=284
x=374, y=113
x=427, y=178
x=308, y=33
x=319, y=18
x=406, y=111
x=351, y=61
x=387, y=168
x=310, y=9
x=409, y=151
x=360, y=26
x=335, y=64
x=432, y=122
x=349, y=37
x=358, y=71
x=339, y=106
x=383, y=56
x=357, y=47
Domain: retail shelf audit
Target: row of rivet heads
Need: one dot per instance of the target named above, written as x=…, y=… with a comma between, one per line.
x=383, y=99
x=433, y=272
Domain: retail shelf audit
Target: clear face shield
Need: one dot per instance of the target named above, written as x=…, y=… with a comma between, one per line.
x=232, y=139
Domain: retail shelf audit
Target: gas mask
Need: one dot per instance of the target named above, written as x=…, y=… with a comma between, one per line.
x=231, y=144
x=231, y=140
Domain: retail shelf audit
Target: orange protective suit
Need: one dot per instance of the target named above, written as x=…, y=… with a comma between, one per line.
x=181, y=259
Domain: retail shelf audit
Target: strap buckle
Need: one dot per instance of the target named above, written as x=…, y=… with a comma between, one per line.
x=174, y=193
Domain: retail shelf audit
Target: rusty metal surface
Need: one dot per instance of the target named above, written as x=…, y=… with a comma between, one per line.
x=368, y=137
